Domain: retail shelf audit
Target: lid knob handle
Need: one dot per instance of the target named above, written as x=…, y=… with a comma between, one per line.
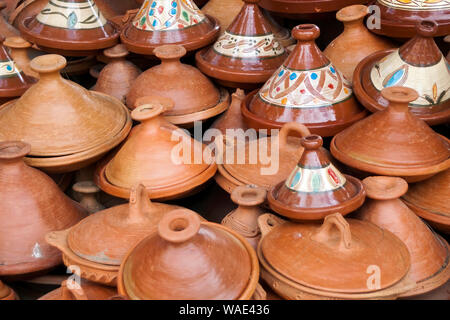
x=399, y=97
x=48, y=63
x=306, y=32
x=179, y=226
x=324, y=234
x=17, y=43
x=12, y=150
x=312, y=142
x=352, y=13
x=293, y=128
x=116, y=52
x=385, y=188
x=169, y=52
x=147, y=111
x=248, y=195
x=140, y=204
x=426, y=28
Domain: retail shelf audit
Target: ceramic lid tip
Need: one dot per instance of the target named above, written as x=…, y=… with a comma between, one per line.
x=169, y=51
x=306, y=32
x=248, y=195
x=385, y=188
x=17, y=43
x=179, y=226
x=48, y=63
x=352, y=13
x=14, y=149
x=167, y=103
x=147, y=111
x=312, y=142
x=118, y=51
x=399, y=94
x=85, y=187
x=427, y=28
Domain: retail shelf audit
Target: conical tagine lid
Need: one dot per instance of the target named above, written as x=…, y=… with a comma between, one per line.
x=307, y=88
x=430, y=254
x=160, y=22
x=315, y=187
x=418, y=64
x=184, y=259
x=70, y=27
x=393, y=141
x=247, y=52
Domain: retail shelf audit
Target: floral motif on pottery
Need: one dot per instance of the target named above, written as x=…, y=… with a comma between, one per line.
x=311, y=180
x=9, y=69
x=72, y=15
x=421, y=5
x=306, y=89
x=160, y=15
x=240, y=46
x=431, y=82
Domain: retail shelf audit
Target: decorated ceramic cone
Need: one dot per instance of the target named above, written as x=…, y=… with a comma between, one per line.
x=223, y=10
x=6, y=293
x=355, y=43
x=232, y=118
x=418, y=64
x=430, y=253
x=307, y=88
x=246, y=54
x=160, y=22
x=88, y=191
x=315, y=187
x=18, y=47
x=117, y=77
x=393, y=142
x=282, y=35
x=85, y=291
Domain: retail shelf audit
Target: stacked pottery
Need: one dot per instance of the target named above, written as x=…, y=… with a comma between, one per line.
x=307, y=88
x=85, y=290
x=45, y=117
x=19, y=48
x=393, y=142
x=223, y=10
x=195, y=96
x=430, y=253
x=315, y=188
x=418, y=64
x=32, y=205
x=160, y=22
x=246, y=54
x=6, y=293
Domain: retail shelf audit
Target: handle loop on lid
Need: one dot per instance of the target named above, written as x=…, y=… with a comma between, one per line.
x=139, y=203
x=324, y=234
x=292, y=127
x=179, y=226
x=248, y=195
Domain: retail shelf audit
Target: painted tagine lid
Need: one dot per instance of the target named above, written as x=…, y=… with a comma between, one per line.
x=418, y=64
x=315, y=188
x=393, y=142
x=246, y=53
x=148, y=155
x=32, y=205
x=183, y=259
x=429, y=200
x=223, y=10
x=430, y=254
x=179, y=82
x=6, y=293
x=70, y=27
x=160, y=22
x=398, y=18
x=302, y=253
x=45, y=117
x=307, y=88
x=86, y=290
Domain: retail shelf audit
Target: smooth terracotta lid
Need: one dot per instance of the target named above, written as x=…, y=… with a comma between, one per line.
x=87, y=290
x=337, y=256
x=184, y=259
x=418, y=64
x=59, y=117
x=393, y=141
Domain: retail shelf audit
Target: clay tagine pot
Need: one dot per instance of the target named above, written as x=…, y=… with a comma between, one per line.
x=315, y=188
x=19, y=48
x=6, y=293
x=99, y=243
x=355, y=42
x=179, y=82
x=244, y=219
x=32, y=205
x=224, y=11
x=250, y=163
x=7, y=30
x=169, y=22
x=45, y=117
x=398, y=18
x=232, y=118
x=88, y=196
x=86, y=290
x=418, y=64
x=307, y=88
x=429, y=200
x=70, y=28
x=246, y=54
x=282, y=35
x=367, y=261
x=184, y=259
x=117, y=77
x=393, y=142
x=167, y=160
x=430, y=253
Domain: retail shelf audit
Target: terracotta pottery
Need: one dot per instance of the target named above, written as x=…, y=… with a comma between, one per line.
x=99, y=243
x=6, y=30
x=418, y=64
x=252, y=163
x=117, y=77
x=447, y=39
x=232, y=118
x=429, y=200
x=291, y=8
x=355, y=43
x=393, y=142
x=430, y=253
x=67, y=126
x=398, y=18
x=224, y=11
x=340, y=259
x=32, y=205
x=85, y=291
x=179, y=82
x=70, y=27
x=244, y=219
x=6, y=293
x=246, y=54
x=307, y=88
x=18, y=48
x=282, y=35
x=88, y=196
x=150, y=154
x=183, y=259
x=160, y=22
x=315, y=188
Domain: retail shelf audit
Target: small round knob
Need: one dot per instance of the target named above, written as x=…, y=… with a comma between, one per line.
x=306, y=32
x=169, y=52
x=385, y=188
x=396, y=94
x=85, y=187
x=248, y=195
x=312, y=142
x=14, y=150
x=352, y=13
x=147, y=111
x=167, y=103
x=178, y=226
x=427, y=28
x=16, y=43
x=48, y=63
x=116, y=52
